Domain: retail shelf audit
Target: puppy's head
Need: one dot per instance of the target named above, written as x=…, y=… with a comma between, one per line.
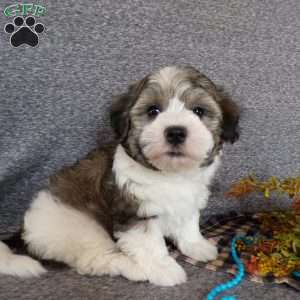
x=174, y=119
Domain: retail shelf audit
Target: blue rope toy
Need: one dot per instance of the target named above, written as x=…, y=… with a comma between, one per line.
x=233, y=282
x=239, y=276
x=296, y=274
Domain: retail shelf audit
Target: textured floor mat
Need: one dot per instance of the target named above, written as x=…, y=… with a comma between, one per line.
x=220, y=230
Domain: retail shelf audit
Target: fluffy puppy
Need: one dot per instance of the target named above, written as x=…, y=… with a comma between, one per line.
x=109, y=214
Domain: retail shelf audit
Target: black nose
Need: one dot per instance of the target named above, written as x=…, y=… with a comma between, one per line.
x=175, y=135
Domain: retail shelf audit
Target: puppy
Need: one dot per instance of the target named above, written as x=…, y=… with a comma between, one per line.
x=109, y=213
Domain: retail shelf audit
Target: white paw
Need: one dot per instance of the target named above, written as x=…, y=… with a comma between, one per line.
x=22, y=266
x=112, y=264
x=165, y=272
x=126, y=267
x=202, y=250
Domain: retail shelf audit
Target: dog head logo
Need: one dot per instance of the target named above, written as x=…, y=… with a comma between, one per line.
x=24, y=28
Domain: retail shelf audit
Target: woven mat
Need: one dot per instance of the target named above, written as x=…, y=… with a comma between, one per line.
x=220, y=230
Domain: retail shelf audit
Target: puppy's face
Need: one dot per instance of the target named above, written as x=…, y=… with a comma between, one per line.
x=174, y=119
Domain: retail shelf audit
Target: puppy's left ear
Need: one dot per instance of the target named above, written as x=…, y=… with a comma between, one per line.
x=231, y=115
x=121, y=106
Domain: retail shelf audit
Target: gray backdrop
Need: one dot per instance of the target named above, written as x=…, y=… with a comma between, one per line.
x=54, y=98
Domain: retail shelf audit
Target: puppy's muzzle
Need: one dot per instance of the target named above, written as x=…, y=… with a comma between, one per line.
x=175, y=135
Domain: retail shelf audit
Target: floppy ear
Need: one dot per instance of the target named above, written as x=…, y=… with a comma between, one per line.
x=231, y=116
x=120, y=109
x=119, y=115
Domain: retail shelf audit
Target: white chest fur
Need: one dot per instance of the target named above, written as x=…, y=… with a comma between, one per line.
x=164, y=194
x=175, y=200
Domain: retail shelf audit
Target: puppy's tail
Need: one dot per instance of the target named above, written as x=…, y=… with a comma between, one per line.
x=16, y=264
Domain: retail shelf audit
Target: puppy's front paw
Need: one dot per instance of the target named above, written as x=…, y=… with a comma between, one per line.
x=202, y=250
x=165, y=272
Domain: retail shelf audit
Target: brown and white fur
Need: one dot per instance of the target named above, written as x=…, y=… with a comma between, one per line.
x=109, y=214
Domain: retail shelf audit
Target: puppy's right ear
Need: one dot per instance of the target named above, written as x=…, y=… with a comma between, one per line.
x=121, y=106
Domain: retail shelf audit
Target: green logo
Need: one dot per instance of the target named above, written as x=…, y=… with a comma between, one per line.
x=24, y=9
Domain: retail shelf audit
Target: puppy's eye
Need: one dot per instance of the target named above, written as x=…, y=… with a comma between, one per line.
x=153, y=111
x=199, y=111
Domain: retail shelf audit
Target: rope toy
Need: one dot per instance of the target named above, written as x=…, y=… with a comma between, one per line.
x=296, y=274
x=233, y=282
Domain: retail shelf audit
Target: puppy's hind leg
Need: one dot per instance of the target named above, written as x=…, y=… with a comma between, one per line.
x=18, y=265
x=55, y=231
